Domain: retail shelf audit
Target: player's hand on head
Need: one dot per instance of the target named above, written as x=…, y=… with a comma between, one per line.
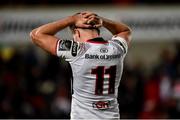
x=87, y=20
x=93, y=19
x=81, y=21
x=87, y=14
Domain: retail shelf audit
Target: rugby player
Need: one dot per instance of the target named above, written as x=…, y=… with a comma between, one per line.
x=97, y=64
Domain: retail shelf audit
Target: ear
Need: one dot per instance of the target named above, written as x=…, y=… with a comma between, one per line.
x=76, y=34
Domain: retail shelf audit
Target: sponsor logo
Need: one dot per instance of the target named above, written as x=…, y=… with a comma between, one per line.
x=64, y=45
x=103, y=57
x=103, y=50
x=101, y=105
x=74, y=49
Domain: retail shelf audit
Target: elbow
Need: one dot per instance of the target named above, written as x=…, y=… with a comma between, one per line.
x=128, y=35
x=34, y=36
x=128, y=31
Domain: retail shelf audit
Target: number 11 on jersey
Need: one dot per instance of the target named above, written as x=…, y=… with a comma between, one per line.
x=100, y=73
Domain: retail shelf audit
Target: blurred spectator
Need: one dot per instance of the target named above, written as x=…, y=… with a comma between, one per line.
x=159, y=101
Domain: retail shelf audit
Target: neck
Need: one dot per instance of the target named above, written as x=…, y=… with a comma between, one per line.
x=87, y=35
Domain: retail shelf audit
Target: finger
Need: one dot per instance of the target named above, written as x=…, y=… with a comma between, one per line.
x=85, y=26
x=100, y=21
x=87, y=15
x=95, y=18
x=86, y=12
x=97, y=25
x=90, y=20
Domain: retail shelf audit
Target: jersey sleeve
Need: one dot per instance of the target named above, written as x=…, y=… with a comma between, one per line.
x=67, y=49
x=121, y=42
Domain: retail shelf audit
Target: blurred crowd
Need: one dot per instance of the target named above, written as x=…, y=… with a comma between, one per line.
x=32, y=86
x=153, y=92
x=100, y=2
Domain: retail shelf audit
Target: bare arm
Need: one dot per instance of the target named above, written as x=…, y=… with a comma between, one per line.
x=44, y=36
x=118, y=29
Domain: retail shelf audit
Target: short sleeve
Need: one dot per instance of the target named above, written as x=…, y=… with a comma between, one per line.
x=121, y=42
x=67, y=49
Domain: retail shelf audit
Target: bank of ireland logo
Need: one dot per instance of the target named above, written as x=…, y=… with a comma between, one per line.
x=103, y=50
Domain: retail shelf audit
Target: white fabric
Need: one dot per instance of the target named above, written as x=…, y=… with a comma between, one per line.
x=89, y=57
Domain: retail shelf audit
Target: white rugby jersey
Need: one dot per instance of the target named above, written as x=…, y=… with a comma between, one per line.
x=97, y=67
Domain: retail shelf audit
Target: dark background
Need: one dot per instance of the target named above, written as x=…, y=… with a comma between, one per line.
x=39, y=87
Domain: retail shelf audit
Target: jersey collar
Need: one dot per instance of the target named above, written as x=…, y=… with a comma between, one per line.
x=98, y=40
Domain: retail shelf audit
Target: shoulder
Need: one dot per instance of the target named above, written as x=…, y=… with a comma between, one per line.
x=67, y=48
x=121, y=42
